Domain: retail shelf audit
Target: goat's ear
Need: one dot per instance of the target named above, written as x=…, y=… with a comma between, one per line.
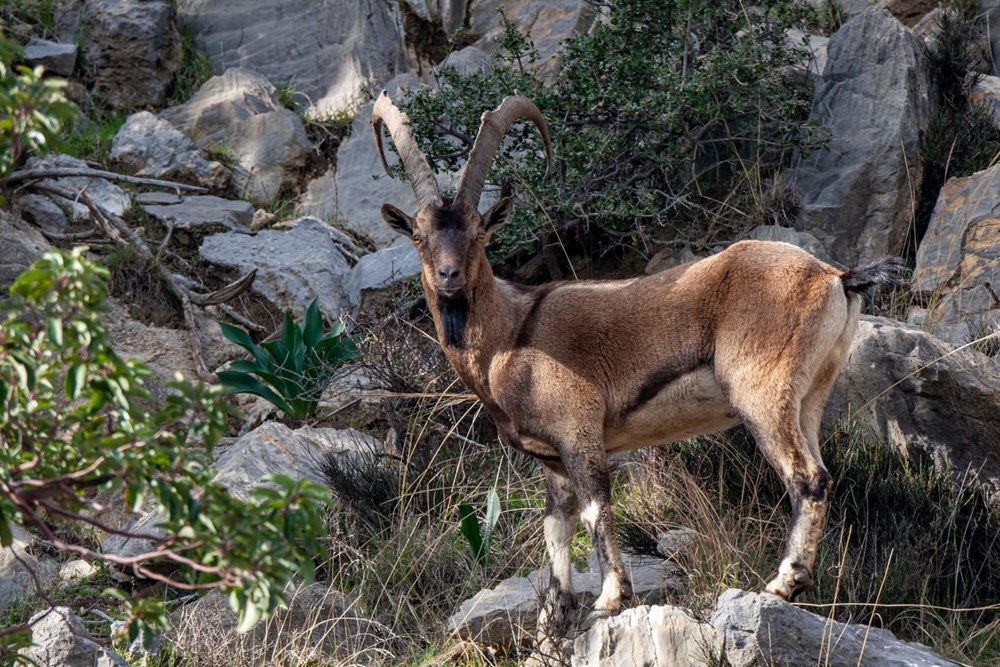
x=398, y=220
x=497, y=215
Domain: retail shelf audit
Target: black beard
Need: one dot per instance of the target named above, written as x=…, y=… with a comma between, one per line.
x=454, y=312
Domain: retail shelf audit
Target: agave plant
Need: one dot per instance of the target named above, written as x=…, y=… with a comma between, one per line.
x=292, y=371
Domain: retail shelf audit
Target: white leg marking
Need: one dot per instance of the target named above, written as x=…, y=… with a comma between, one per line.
x=558, y=535
x=590, y=514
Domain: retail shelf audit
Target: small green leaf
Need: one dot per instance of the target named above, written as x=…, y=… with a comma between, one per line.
x=249, y=616
x=76, y=378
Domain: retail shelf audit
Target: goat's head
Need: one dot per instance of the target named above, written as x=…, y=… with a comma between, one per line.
x=450, y=234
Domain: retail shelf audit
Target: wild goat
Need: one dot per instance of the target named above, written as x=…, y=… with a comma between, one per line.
x=574, y=371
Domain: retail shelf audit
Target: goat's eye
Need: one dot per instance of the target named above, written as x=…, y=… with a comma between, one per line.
x=417, y=240
x=481, y=236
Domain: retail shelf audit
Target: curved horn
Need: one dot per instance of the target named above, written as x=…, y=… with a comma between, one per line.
x=421, y=177
x=492, y=128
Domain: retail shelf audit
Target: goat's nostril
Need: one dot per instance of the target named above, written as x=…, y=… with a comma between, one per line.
x=449, y=273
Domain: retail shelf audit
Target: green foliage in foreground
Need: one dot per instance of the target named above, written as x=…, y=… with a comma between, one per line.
x=665, y=114
x=293, y=371
x=73, y=424
x=33, y=110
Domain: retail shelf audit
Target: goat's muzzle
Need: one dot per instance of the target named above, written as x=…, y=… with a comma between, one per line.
x=449, y=281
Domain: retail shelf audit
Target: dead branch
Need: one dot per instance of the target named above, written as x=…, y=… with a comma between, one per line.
x=227, y=293
x=68, y=172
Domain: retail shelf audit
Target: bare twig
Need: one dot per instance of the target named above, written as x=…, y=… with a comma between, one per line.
x=67, y=172
x=227, y=293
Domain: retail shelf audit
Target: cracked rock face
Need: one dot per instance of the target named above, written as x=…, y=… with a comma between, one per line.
x=132, y=48
x=875, y=96
x=957, y=277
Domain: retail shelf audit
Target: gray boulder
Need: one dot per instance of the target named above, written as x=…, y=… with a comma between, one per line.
x=55, y=57
x=239, y=114
x=59, y=637
x=958, y=262
x=986, y=92
x=382, y=269
x=242, y=464
x=361, y=185
x=507, y=614
x=17, y=562
x=319, y=626
x=132, y=49
x=198, y=212
x=273, y=448
x=875, y=96
x=20, y=245
x=764, y=629
x=60, y=211
x=657, y=636
x=326, y=51
x=294, y=266
x=918, y=395
x=148, y=146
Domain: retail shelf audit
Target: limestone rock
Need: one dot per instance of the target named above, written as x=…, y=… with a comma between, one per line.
x=103, y=193
x=378, y=270
x=547, y=22
x=762, y=628
x=77, y=570
x=273, y=448
x=319, y=626
x=986, y=92
x=15, y=562
x=361, y=184
x=59, y=638
x=294, y=266
x=148, y=146
x=815, y=47
x=914, y=393
x=238, y=113
x=198, y=212
x=327, y=51
x=55, y=57
x=958, y=262
x=241, y=465
x=20, y=245
x=508, y=613
x=657, y=636
x=875, y=97
x=132, y=49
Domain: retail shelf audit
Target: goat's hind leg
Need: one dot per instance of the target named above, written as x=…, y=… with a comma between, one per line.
x=559, y=526
x=779, y=436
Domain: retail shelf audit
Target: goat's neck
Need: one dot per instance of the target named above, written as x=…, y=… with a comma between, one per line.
x=491, y=312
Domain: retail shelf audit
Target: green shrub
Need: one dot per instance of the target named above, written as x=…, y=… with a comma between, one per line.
x=72, y=423
x=33, y=110
x=657, y=114
x=293, y=371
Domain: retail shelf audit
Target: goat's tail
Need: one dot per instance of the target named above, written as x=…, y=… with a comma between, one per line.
x=890, y=271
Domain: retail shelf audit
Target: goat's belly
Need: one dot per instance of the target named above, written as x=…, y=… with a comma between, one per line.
x=694, y=404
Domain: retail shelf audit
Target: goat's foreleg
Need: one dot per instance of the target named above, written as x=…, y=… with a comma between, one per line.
x=587, y=467
x=560, y=524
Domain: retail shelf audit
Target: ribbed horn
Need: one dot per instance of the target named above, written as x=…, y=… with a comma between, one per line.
x=492, y=128
x=418, y=170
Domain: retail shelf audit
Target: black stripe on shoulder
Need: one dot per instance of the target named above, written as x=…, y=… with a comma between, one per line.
x=658, y=380
x=527, y=330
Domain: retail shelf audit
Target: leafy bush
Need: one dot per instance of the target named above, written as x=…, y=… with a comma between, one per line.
x=663, y=115
x=291, y=372
x=72, y=424
x=33, y=110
